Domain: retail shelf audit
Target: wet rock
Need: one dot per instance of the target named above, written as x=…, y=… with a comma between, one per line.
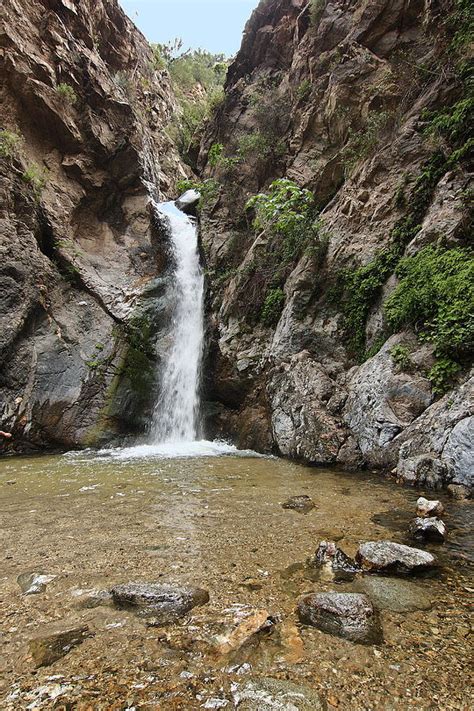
x=393, y=558
x=252, y=584
x=269, y=694
x=426, y=508
x=429, y=529
x=459, y=492
x=423, y=470
x=188, y=201
x=302, y=504
x=163, y=604
x=333, y=562
x=394, y=594
x=348, y=615
x=34, y=583
x=254, y=622
x=89, y=599
x=48, y=649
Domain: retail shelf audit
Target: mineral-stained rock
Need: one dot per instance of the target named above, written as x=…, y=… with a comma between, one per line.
x=394, y=594
x=428, y=529
x=348, y=615
x=163, y=604
x=267, y=694
x=426, y=508
x=34, y=583
x=459, y=492
x=48, y=649
x=302, y=504
x=388, y=557
x=334, y=563
x=253, y=622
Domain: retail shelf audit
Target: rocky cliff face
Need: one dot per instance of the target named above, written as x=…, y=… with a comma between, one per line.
x=334, y=95
x=82, y=268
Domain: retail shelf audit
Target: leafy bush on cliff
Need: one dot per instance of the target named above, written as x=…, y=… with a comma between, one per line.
x=66, y=93
x=9, y=143
x=273, y=306
x=436, y=296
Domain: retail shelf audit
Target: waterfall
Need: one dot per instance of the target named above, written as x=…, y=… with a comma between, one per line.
x=176, y=411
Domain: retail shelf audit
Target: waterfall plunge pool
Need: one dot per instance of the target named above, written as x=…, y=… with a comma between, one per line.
x=94, y=520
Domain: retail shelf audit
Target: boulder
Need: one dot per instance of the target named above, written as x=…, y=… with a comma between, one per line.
x=393, y=558
x=163, y=604
x=426, y=508
x=253, y=622
x=348, y=615
x=333, y=562
x=429, y=529
x=422, y=470
x=269, y=694
x=46, y=650
x=302, y=504
x=394, y=594
x=459, y=492
x=188, y=202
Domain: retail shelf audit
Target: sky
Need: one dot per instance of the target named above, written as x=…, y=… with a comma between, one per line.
x=215, y=25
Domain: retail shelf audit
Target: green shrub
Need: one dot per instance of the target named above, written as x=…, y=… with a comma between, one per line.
x=36, y=178
x=272, y=307
x=401, y=356
x=66, y=93
x=316, y=9
x=9, y=143
x=362, y=143
x=158, y=62
x=442, y=374
x=436, y=296
x=361, y=287
x=283, y=208
x=215, y=154
x=303, y=90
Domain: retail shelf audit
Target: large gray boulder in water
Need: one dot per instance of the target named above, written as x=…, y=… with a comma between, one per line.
x=428, y=529
x=163, y=603
x=188, y=202
x=393, y=558
x=348, y=615
x=269, y=694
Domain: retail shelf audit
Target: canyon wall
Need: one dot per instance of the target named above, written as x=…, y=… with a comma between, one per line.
x=83, y=265
x=336, y=96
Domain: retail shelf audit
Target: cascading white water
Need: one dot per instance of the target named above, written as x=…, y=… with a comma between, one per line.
x=176, y=411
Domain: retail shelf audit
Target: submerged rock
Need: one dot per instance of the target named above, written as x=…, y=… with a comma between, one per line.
x=48, y=649
x=394, y=594
x=302, y=504
x=164, y=604
x=88, y=599
x=254, y=622
x=396, y=558
x=459, y=492
x=426, y=508
x=333, y=562
x=348, y=615
x=34, y=583
x=269, y=694
x=429, y=529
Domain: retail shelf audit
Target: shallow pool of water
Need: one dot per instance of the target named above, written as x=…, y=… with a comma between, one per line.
x=95, y=519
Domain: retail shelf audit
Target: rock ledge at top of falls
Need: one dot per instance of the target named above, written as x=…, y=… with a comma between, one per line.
x=393, y=558
x=348, y=615
x=163, y=604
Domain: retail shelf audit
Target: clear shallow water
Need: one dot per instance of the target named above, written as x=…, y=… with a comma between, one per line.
x=94, y=519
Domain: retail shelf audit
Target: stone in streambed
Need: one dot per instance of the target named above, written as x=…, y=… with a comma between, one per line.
x=302, y=504
x=47, y=649
x=459, y=492
x=393, y=558
x=34, y=583
x=268, y=694
x=333, y=562
x=394, y=594
x=253, y=622
x=188, y=201
x=426, y=508
x=429, y=529
x=163, y=604
x=348, y=615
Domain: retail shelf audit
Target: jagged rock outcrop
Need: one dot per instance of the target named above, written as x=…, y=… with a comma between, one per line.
x=82, y=261
x=333, y=95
